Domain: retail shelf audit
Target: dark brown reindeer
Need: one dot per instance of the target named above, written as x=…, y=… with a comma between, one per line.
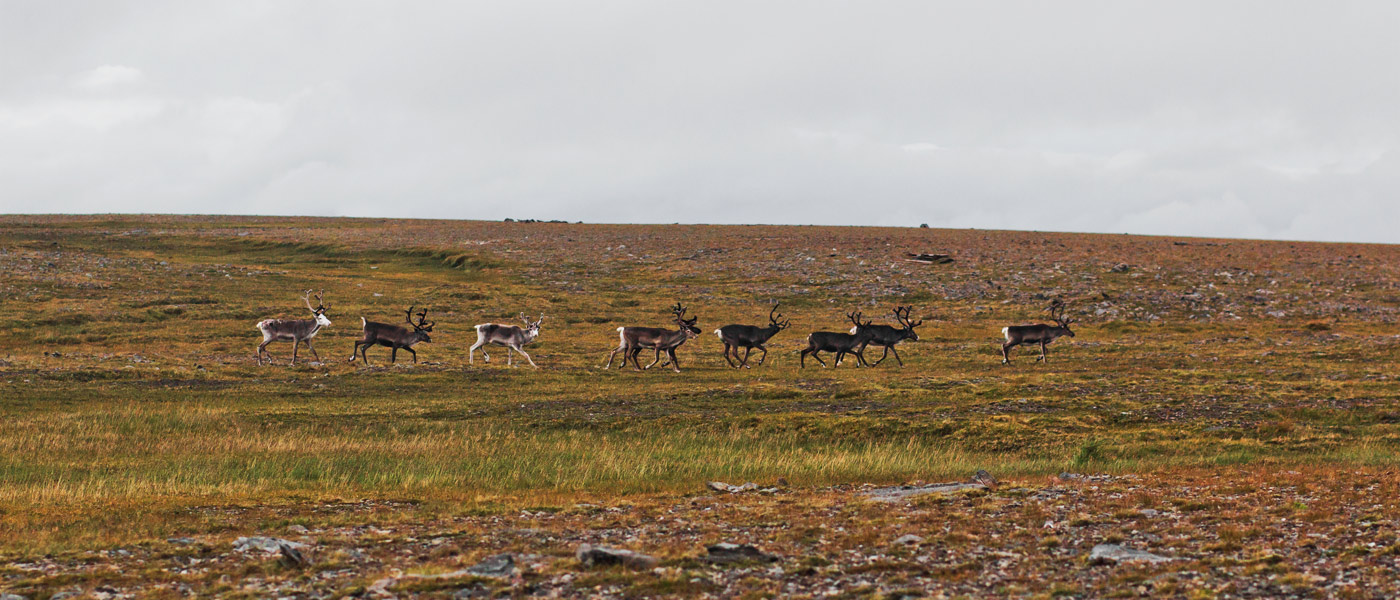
x=838, y=342
x=510, y=336
x=295, y=330
x=636, y=339
x=393, y=336
x=749, y=337
x=884, y=335
x=1037, y=334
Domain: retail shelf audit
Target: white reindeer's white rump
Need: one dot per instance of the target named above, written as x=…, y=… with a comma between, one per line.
x=510, y=336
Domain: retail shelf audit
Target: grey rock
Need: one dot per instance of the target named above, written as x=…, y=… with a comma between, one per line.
x=298, y=529
x=12, y=597
x=264, y=544
x=291, y=557
x=1114, y=554
x=1149, y=512
x=985, y=478
x=720, y=486
x=904, y=492
x=499, y=565
x=1070, y=476
x=183, y=541
x=909, y=539
x=591, y=555
x=725, y=552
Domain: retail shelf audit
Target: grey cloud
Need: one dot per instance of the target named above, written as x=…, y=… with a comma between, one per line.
x=1258, y=119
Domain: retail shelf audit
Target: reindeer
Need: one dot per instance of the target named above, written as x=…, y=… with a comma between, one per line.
x=749, y=337
x=296, y=330
x=510, y=336
x=393, y=336
x=840, y=343
x=884, y=335
x=1036, y=334
x=635, y=339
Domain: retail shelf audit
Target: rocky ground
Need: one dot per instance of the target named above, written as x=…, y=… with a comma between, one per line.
x=1248, y=533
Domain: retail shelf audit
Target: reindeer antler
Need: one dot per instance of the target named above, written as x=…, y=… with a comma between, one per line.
x=1057, y=312
x=307, y=299
x=423, y=323
x=777, y=321
x=902, y=314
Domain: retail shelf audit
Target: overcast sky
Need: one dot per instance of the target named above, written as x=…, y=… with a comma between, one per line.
x=1244, y=119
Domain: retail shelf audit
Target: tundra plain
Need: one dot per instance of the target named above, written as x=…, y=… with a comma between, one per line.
x=1227, y=404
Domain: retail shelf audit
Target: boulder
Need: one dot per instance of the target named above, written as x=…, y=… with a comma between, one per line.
x=591, y=555
x=1113, y=554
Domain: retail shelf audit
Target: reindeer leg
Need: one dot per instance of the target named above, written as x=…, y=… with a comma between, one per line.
x=354, y=352
x=896, y=356
x=636, y=363
x=658, y=358
x=819, y=358
x=1042, y=352
x=765, y=355
x=675, y=363
x=882, y=356
x=262, y=349
x=745, y=362
x=295, y=343
x=314, y=355
x=393, y=354
x=527, y=357
x=415, y=355
x=1006, y=353
x=610, y=358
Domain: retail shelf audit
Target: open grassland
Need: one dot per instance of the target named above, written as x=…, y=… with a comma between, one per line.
x=131, y=408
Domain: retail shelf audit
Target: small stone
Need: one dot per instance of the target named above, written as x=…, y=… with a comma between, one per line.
x=12, y=597
x=499, y=565
x=298, y=529
x=1149, y=512
x=291, y=557
x=985, y=478
x=1069, y=476
x=725, y=552
x=909, y=539
x=591, y=555
x=904, y=492
x=1114, y=554
x=720, y=486
x=183, y=541
x=264, y=544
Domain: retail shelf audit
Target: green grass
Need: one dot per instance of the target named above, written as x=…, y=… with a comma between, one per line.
x=154, y=406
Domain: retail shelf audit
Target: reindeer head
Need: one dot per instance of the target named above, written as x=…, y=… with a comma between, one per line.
x=686, y=325
x=532, y=328
x=901, y=314
x=320, y=310
x=1057, y=314
x=777, y=321
x=423, y=326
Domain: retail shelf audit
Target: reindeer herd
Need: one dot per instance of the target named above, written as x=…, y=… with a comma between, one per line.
x=633, y=340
